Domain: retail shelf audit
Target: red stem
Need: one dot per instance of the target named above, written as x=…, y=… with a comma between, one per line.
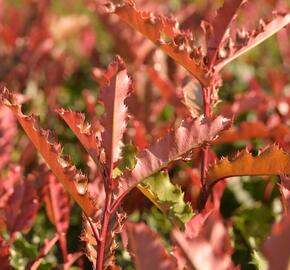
x=106, y=218
x=102, y=240
x=62, y=243
x=205, y=148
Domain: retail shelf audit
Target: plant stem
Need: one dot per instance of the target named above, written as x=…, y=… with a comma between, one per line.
x=102, y=240
x=205, y=148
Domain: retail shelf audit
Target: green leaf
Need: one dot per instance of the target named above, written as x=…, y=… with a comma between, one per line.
x=167, y=197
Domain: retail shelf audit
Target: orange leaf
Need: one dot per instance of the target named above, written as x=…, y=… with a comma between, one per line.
x=164, y=32
x=272, y=161
x=50, y=150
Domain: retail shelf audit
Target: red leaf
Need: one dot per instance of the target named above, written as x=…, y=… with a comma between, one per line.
x=4, y=255
x=7, y=134
x=21, y=207
x=57, y=204
x=140, y=137
x=284, y=188
x=276, y=248
x=195, y=225
x=87, y=135
x=7, y=184
x=246, y=131
x=191, y=134
x=46, y=143
x=220, y=26
x=44, y=250
x=248, y=40
x=114, y=120
x=164, y=32
x=147, y=248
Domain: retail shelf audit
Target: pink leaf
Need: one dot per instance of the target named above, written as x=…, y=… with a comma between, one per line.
x=7, y=134
x=114, y=120
x=276, y=248
x=147, y=249
x=190, y=134
x=211, y=249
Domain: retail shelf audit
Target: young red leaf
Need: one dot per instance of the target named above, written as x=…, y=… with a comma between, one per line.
x=220, y=26
x=164, y=32
x=192, y=133
x=73, y=181
x=114, y=120
x=248, y=40
x=147, y=249
x=103, y=77
x=44, y=250
x=57, y=204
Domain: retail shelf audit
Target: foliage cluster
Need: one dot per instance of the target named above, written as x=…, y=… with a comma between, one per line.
x=180, y=159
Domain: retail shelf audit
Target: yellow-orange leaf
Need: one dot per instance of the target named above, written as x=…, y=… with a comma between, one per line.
x=272, y=161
